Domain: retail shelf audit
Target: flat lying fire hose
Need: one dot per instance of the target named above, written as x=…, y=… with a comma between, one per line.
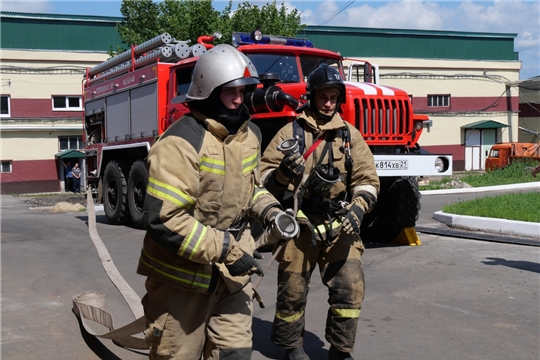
x=90, y=305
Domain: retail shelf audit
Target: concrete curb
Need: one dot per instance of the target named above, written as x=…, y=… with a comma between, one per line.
x=531, y=185
x=500, y=226
x=492, y=225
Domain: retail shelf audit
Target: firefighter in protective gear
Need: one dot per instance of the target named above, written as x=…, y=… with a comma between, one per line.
x=203, y=185
x=334, y=178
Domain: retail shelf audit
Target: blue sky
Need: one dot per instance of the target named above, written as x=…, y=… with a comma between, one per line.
x=521, y=17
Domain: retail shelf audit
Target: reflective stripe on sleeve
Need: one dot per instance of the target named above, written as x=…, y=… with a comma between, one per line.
x=259, y=190
x=250, y=163
x=193, y=240
x=168, y=192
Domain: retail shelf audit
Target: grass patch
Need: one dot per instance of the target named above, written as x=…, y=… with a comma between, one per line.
x=513, y=206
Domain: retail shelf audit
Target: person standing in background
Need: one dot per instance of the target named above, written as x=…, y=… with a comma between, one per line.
x=76, y=171
x=68, y=184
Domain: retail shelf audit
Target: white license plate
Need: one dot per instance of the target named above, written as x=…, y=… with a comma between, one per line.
x=392, y=164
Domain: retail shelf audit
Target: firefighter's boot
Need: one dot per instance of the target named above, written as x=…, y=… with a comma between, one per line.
x=335, y=354
x=296, y=354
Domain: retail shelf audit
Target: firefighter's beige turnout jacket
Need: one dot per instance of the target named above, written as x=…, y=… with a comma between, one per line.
x=364, y=177
x=202, y=181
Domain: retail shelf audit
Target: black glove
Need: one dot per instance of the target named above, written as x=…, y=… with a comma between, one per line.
x=245, y=265
x=290, y=167
x=352, y=218
x=257, y=255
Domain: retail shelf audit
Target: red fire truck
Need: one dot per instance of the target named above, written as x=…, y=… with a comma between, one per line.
x=127, y=105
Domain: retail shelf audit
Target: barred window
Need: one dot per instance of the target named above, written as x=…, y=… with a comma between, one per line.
x=438, y=100
x=6, y=166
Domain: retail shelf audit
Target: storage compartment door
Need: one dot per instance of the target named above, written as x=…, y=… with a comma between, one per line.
x=117, y=117
x=144, y=111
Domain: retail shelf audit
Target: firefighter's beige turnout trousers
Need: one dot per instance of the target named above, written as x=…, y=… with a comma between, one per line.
x=341, y=272
x=184, y=324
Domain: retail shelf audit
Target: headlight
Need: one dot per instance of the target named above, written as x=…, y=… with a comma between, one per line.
x=418, y=125
x=441, y=164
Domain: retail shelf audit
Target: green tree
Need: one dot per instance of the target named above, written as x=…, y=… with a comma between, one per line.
x=189, y=19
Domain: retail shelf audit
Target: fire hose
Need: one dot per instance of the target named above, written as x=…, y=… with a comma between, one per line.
x=90, y=305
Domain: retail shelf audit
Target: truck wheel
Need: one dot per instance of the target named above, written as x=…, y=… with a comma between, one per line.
x=114, y=194
x=397, y=208
x=137, y=182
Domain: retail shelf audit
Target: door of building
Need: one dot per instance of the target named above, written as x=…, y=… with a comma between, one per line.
x=473, y=154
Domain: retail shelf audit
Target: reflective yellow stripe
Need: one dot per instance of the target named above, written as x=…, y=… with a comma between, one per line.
x=212, y=166
x=290, y=318
x=168, y=271
x=258, y=192
x=323, y=228
x=250, y=163
x=347, y=313
x=168, y=192
x=197, y=233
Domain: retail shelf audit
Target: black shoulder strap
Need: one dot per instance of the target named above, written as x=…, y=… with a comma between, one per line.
x=298, y=132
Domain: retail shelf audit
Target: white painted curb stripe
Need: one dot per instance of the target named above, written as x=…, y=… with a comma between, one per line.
x=501, y=226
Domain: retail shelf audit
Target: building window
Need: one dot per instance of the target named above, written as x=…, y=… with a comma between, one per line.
x=438, y=100
x=6, y=106
x=66, y=103
x=70, y=143
x=6, y=166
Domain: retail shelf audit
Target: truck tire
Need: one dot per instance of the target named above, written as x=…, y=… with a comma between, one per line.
x=136, y=191
x=114, y=195
x=398, y=207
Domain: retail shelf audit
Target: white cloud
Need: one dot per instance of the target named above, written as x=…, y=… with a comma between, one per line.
x=504, y=16
x=28, y=6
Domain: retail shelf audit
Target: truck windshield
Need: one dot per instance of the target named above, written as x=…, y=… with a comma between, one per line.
x=286, y=66
x=282, y=64
x=310, y=63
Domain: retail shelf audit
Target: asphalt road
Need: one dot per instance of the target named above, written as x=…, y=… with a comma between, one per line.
x=449, y=298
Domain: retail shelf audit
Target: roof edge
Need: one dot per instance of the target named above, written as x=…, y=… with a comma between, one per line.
x=48, y=16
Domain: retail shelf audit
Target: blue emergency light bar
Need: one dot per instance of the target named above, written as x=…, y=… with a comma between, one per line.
x=256, y=37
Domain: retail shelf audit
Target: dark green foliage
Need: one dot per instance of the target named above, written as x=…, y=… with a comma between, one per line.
x=189, y=19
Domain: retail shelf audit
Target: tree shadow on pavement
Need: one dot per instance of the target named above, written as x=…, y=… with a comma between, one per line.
x=521, y=265
x=262, y=329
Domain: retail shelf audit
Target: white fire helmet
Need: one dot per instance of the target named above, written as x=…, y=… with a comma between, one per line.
x=222, y=65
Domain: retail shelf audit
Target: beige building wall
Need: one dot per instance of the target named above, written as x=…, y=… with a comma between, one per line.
x=39, y=75
x=32, y=144
x=458, y=78
x=33, y=74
